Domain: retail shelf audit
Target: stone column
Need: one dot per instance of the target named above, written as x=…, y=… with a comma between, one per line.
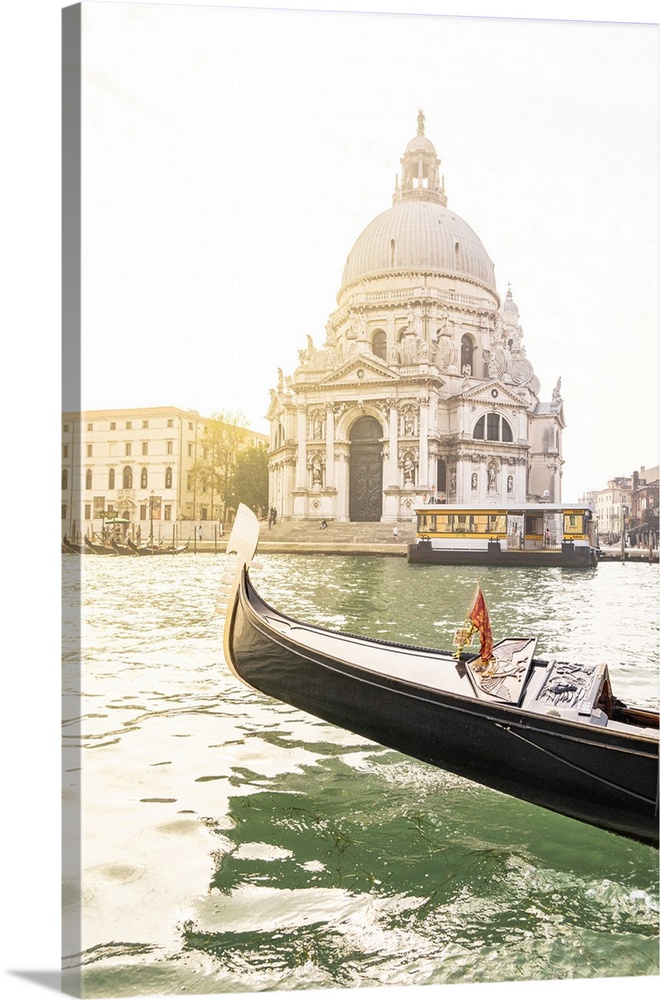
x=393, y=471
x=301, y=466
x=423, y=471
x=329, y=445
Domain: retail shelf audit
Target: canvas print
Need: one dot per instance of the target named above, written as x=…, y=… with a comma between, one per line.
x=359, y=501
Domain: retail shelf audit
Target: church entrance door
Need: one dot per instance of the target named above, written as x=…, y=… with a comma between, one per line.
x=365, y=495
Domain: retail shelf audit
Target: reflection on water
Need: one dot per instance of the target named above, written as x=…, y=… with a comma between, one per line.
x=231, y=843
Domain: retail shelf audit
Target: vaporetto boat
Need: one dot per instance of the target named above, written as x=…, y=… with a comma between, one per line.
x=542, y=534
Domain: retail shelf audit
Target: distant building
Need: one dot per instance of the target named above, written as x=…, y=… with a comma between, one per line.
x=138, y=465
x=612, y=509
x=423, y=386
x=644, y=507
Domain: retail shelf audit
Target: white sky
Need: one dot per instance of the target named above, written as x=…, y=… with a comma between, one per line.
x=232, y=157
x=548, y=136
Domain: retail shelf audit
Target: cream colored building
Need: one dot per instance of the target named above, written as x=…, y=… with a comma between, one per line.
x=422, y=385
x=613, y=508
x=137, y=464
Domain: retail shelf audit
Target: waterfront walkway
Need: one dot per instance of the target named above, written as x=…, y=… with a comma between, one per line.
x=357, y=538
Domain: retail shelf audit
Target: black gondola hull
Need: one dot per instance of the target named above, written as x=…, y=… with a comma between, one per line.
x=607, y=779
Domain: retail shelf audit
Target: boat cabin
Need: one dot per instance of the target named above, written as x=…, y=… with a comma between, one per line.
x=558, y=533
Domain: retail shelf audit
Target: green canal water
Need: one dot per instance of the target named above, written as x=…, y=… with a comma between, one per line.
x=229, y=843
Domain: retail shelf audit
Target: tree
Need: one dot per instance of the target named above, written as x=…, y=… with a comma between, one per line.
x=218, y=452
x=248, y=483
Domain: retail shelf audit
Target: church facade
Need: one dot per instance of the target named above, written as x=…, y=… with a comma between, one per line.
x=422, y=388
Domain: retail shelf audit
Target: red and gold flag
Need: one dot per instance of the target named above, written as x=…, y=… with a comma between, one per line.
x=480, y=622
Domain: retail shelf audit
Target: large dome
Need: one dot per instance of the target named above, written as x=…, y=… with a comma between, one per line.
x=419, y=235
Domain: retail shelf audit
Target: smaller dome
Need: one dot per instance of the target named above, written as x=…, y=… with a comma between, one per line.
x=420, y=144
x=509, y=308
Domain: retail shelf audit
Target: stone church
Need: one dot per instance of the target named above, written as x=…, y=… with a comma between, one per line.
x=422, y=388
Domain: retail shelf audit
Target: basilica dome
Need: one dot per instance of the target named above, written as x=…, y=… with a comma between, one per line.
x=419, y=233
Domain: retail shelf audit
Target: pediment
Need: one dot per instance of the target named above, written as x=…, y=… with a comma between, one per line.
x=276, y=407
x=360, y=370
x=492, y=393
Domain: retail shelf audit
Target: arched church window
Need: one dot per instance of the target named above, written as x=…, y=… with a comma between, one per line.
x=379, y=344
x=492, y=427
x=143, y=479
x=127, y=478
x=467, y=352
x=168, y=477
x=111, y=479
x=88, y=479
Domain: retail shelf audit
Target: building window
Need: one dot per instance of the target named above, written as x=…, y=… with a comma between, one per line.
x=65, y=451
x=88, y=511
x=189, y=484
x=143, y=512
x=467, y=352
x=89, y=451
x=64, y=511
x=111, y=479
x=90, y=427
x=168, y=478
x=145, y=424
x=145, y=447
x=113, y=425
x=170, y=423
x=170, y=447
x=379, y=344
x=190, y=426
x=441, y=476
x=127, y=478
x=190, y=451
x=203, y=514
x=129, y=425
x=88, y=479
x=65, y=479
x=492, y=427
x=127, y=450
x=167, y=512
x=65, y=428
x=143, y=479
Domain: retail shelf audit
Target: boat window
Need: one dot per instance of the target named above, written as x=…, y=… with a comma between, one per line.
x=573, y=524
x=426, y=522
